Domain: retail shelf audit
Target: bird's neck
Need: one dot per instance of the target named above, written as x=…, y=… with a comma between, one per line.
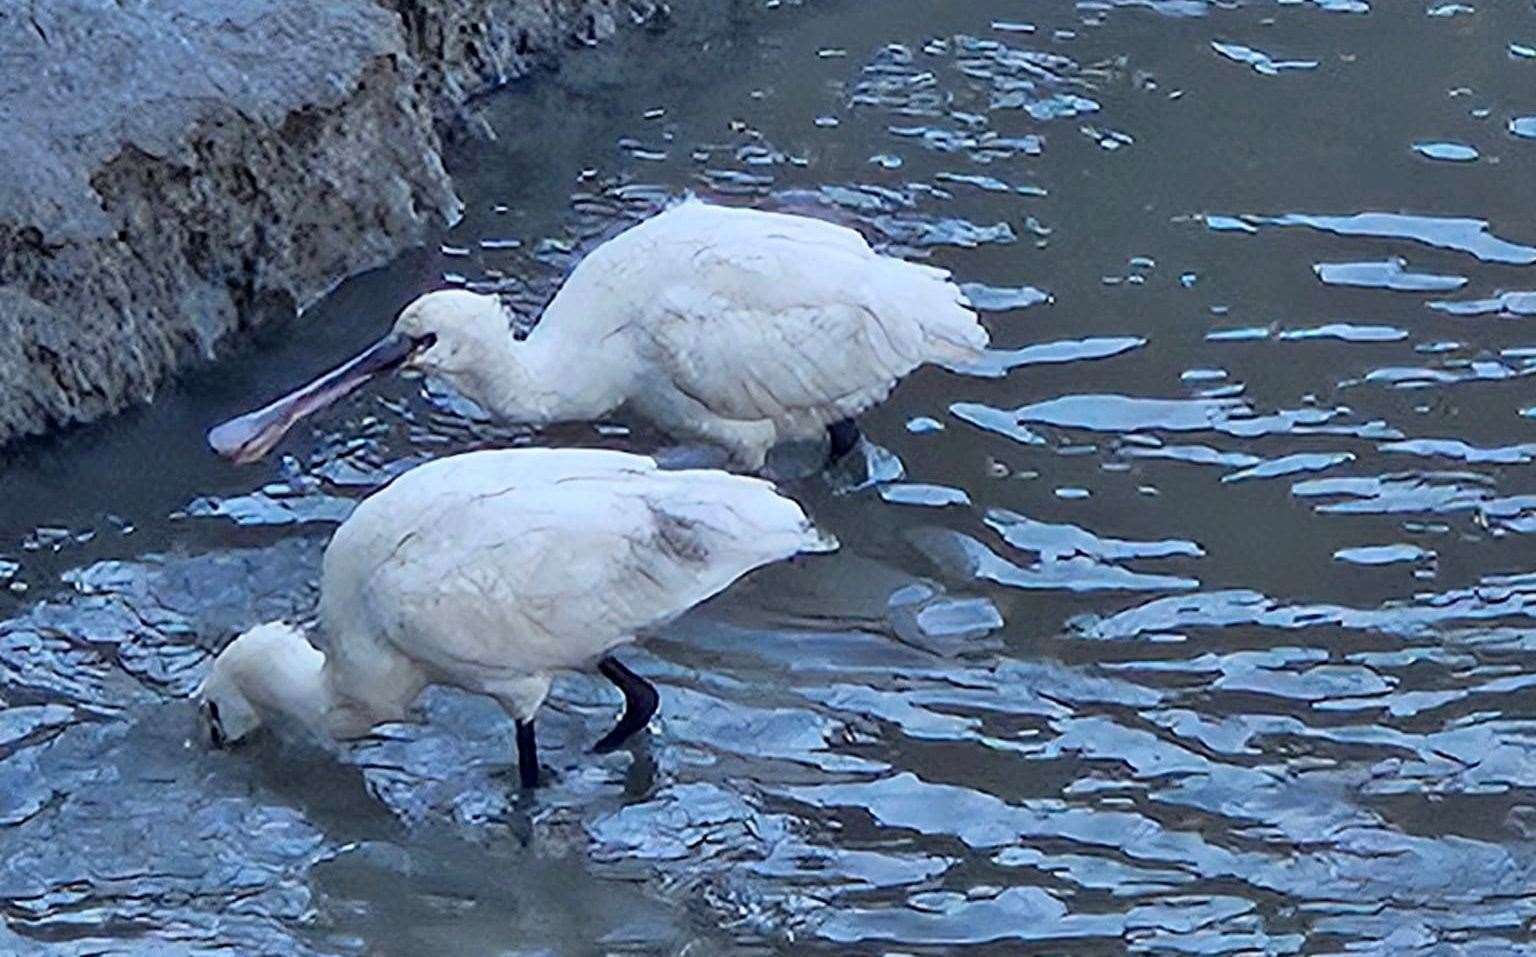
x=551, y=378
x=293, y=684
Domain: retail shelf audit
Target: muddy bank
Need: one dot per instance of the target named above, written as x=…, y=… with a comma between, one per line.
x=176, y=172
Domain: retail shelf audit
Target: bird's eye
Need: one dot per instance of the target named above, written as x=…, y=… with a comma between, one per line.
x=216, y=734
x=425, y=341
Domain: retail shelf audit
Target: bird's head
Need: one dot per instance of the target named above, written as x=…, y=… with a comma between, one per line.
x=449, y=334
x=455, y=335
x=455, y=331
x=271, y=669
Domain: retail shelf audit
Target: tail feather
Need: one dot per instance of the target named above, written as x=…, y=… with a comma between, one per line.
x=960, y=329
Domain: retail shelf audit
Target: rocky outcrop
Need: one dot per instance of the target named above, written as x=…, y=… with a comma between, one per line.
x=173, y=172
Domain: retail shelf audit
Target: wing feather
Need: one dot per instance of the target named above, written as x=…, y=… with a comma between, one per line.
x=774, y=333
x=767, y=316
x=470, y=574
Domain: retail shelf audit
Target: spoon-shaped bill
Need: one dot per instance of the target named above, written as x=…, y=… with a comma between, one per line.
x=249, y=437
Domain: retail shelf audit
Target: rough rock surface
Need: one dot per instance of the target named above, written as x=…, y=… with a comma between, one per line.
x=173, y=171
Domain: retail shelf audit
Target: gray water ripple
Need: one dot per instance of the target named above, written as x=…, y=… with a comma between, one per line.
x=921, y=233
x=989, y=183
x=1399, y=492
x=1419, y=377
x=1461, y=451
x=1382, y=554
x=1053, y=542
x=1385, y=274
x=1345, y=332
x=996, y=363
x=967, y=559
x=1447, y=152
x=1234, y=607
x=1519, y=303
x=699, y=832
x=263, y=509
x=1118, y=413
x=1240, y=334
x=1261, y=62
x=1459, y=234
x=995, y=420
x=1359, y=860
x=1136, y=414
x=933, y=496
x=1001, y=299
x=1292, y=464
x=1193, y=454
x=950, y=918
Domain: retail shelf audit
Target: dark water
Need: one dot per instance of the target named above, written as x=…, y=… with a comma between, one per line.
x=1200, y=622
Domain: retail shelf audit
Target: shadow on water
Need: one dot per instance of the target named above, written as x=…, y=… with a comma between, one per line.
x=1195, y=618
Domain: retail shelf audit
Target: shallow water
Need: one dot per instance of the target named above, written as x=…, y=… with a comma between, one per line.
x=1197, y=618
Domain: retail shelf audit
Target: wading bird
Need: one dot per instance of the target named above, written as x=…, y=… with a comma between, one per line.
x=738, y=327
x=491, y=570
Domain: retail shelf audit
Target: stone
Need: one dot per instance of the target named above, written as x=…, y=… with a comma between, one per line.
x=177, y=172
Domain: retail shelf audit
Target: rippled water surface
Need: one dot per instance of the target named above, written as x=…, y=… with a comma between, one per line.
x=1195, y=618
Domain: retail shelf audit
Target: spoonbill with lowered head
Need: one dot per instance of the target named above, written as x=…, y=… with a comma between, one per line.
x=738, y=327
x=490, y=571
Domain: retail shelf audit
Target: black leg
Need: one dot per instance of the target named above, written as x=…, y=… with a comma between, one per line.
x=842, y=436
x=527, y=756
x=640, y=701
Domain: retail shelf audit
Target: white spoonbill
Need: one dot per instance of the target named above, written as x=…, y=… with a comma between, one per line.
x=491, y=570
x=740, y=327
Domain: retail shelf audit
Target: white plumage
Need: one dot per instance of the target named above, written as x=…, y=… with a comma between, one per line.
x=492, y=570
x=740, y=327
x=748, y=328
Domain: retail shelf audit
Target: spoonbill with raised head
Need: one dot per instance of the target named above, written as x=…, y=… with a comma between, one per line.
x=738, y=327
x=492, y=570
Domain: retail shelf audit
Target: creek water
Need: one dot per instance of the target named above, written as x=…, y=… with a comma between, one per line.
x=1196, y=619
